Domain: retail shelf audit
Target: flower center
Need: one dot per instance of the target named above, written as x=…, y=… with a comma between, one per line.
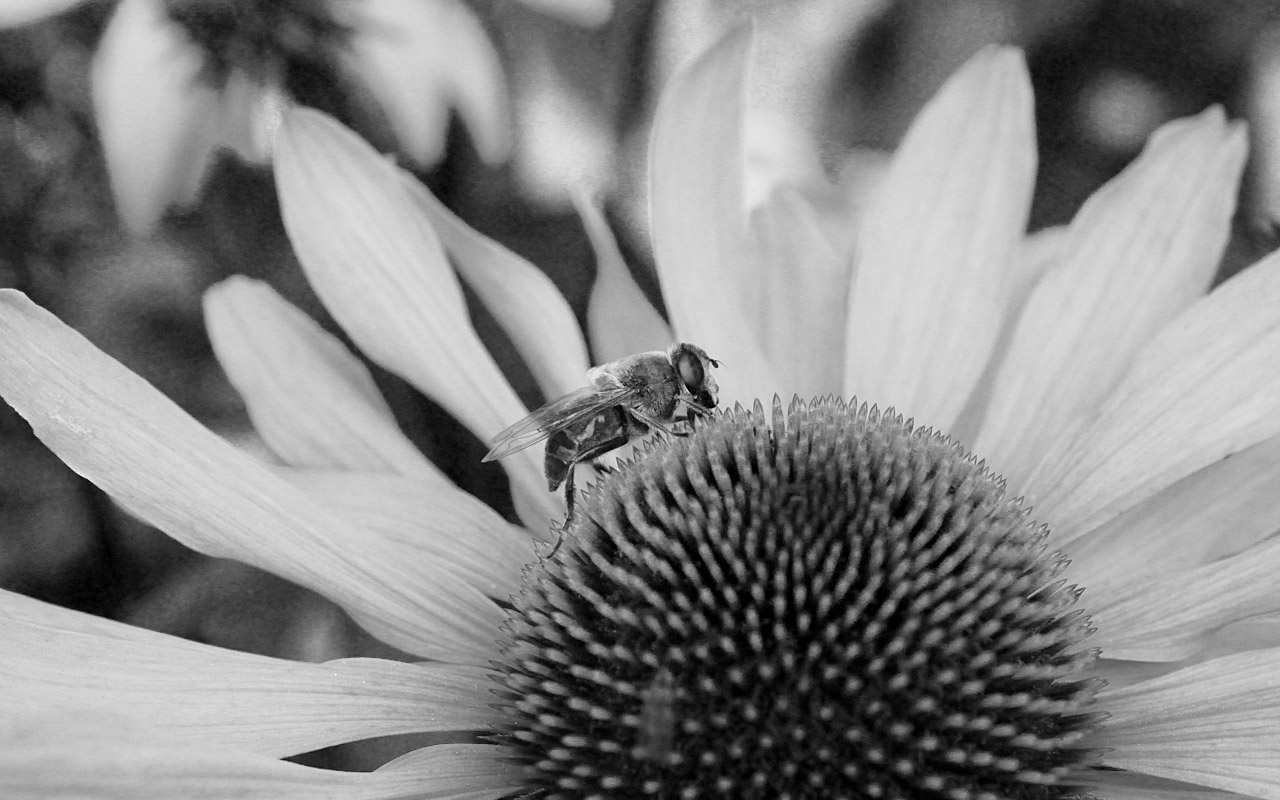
x=825, y=604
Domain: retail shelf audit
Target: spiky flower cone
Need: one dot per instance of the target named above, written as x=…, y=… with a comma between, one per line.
x=824, y=604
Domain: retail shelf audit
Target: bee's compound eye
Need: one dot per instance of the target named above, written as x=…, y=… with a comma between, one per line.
x=691, y=373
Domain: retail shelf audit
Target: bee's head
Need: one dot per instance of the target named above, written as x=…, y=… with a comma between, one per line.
x=692, y=364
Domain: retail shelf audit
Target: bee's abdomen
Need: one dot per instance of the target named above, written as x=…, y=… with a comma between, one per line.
x=562, y=450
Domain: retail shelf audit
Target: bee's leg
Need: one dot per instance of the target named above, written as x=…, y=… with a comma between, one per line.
x=650, y=423
x=694, y=410
x=568, y=496
x=555, y=548
x=568, y=516
x=538, y=545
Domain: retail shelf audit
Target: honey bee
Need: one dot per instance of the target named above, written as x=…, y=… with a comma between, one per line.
x=623, y=401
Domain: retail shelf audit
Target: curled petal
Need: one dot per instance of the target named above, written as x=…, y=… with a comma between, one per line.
x=157, y=121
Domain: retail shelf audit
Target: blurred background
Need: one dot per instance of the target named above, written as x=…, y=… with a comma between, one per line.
x=134, y=173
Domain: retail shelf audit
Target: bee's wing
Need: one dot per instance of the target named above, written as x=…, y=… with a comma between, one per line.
x=554, y=416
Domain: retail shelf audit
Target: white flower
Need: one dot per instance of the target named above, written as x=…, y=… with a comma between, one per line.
x=1090, y=365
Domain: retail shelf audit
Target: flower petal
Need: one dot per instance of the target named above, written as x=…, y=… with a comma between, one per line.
x=456, y=771
x=117, y=431
x=935, y=268
x=312, y=401
x=520, y=296
x=1206, y=387
x=378, y=266
x=419, y=59
x=588, y=13
x=1141, y=250
x=620, y=319
x=62, y=661
x=71, y=758
x=21, y=12
x=800, y=314
x=696, y=210
x=437, y=526
x=1168, y=617
x=1216, y=724
x=1036, y=254
x=250, y=114
x=1213, y=513
x=155, y=118
x=1117, y=785
x=567, y=137
x=1255, y=633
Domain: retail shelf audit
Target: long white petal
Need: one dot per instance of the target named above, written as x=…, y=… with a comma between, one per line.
x=1206, y=387
x=57, y=660
x=1254, y=633
x=1170, y=616
x=1216, y=724
x=452, y=772
x=377, y=264
x=156, y=120
x=697, y=215
x=436, y=525
x=1140, y=251
x=68, y=758
x=520, y=296
x=1215, y=512
x=312, y=401
x=801, y=306
x=117, y=431
x=1037, y=253
x=620, y=319
x=935, y=272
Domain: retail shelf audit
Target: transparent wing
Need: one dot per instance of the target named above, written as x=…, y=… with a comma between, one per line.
x=555, y=416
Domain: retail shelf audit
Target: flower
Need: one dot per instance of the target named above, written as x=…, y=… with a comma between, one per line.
x=175, y=80
x=1087, y=365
